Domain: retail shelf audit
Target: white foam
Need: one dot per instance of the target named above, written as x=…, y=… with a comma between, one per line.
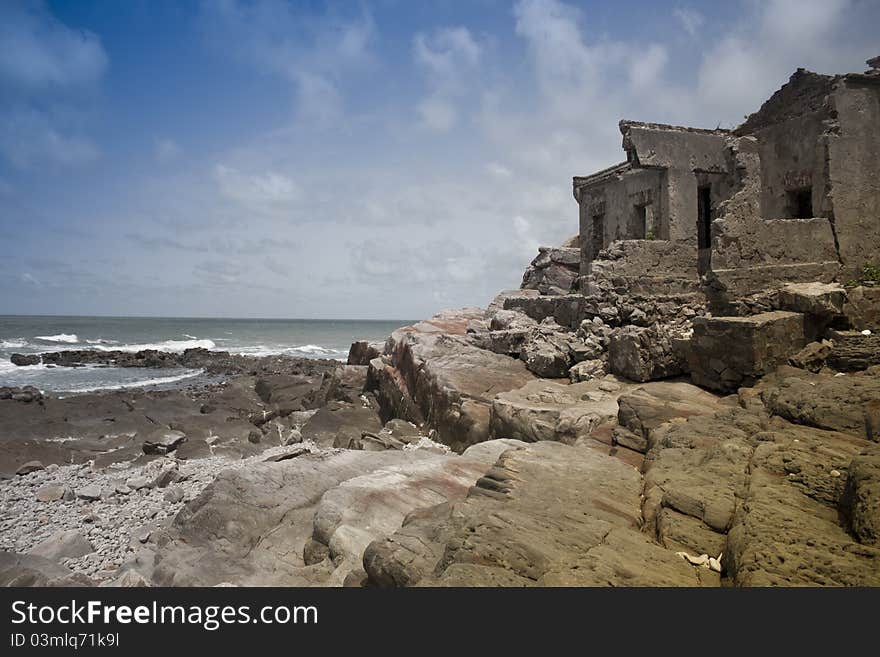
x=278, y=350
x=311, y=349
x=140, y=384
x=14, y=343
x=101, y=341
x=68, y=338
x=177, y=346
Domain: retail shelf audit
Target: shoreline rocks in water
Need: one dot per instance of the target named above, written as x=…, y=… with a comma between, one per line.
x=213, y=362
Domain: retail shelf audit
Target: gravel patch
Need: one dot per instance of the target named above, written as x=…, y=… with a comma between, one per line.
x=129, y=504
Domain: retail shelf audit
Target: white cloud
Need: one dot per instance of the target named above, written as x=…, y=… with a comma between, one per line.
x=646, y=68
x=29, y=279
x=315, y=53
x=166, y=150
x=446, y=51
x=27, y=137
x=38, y=52
x=450, y=58
x=771, y=40
x=691, y=20
x=45, y=69
x=257, y=191
x=498, y=170
x=437, y=113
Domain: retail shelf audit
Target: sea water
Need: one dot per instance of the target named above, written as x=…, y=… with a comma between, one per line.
x=308, y=338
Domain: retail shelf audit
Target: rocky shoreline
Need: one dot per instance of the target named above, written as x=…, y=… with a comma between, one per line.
x=548, y=439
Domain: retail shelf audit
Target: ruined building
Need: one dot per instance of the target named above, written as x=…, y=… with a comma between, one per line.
x=792, y=194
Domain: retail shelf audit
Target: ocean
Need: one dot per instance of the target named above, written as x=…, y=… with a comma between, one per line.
x=308, y=338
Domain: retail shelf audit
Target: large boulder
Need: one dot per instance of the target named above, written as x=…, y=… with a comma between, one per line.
x=286, y=393
x=361, y=353
x=849, y=403
x=860, y=502
x=67, y=544
x=509, y=342
x=787, y=530
x=340, y=418
x=362, y=509
x=772, y=494
x=852, y=351
x=547, y=354
x=18, y=570
x=644, y=354
x=566, y=309
x=725, y=353
x=433, y=373
x=163, y=441
x=862, y=308
x=825, y=300
x=654, y=404
x=25, y=359
x=553, y=271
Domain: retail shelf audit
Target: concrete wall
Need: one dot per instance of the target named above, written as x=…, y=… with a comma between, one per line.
x=615, y=200
x=792, y=158
x=791, y=129
x=669, y=164
x=680, y=153
x=854, y=169
x=750, y=253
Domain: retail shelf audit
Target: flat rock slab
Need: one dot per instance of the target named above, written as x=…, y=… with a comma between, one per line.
x=789, y=503
x=546, y=514
x=163, y=441
x=64, y=545
x=848, y=403
x=32, y=570
x=323, y=426
x=817, y=299
x=643, y=409
x=553, y=410
x=252, y=527
x=50, y=493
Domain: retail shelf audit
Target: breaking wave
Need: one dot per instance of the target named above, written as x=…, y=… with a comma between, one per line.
x=67, y=338
x=176, y=346
x=311, y=349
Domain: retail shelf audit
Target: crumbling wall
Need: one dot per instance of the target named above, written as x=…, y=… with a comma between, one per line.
x=679, y=152
x=611, y=204
x=646, y=267
x=667, y=165
x=750, y=253
x=791, y=128
x=854, y=169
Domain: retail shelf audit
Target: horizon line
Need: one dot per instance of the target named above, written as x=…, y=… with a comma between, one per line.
x=273, y=319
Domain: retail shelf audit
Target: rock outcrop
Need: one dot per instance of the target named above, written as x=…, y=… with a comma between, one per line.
x=308, y=520
x=554, y=270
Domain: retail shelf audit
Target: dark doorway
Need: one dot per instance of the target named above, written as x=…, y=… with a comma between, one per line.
x=642, y=226
x=598, y=242
x=704, y=217
x=800, y=203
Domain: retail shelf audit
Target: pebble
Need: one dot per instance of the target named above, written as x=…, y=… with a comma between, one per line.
x=109, y=518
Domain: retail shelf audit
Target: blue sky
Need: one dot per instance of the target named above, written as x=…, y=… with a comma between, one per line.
x=339, y=159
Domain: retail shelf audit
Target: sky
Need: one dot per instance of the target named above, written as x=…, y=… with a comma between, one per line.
x=264, y=158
